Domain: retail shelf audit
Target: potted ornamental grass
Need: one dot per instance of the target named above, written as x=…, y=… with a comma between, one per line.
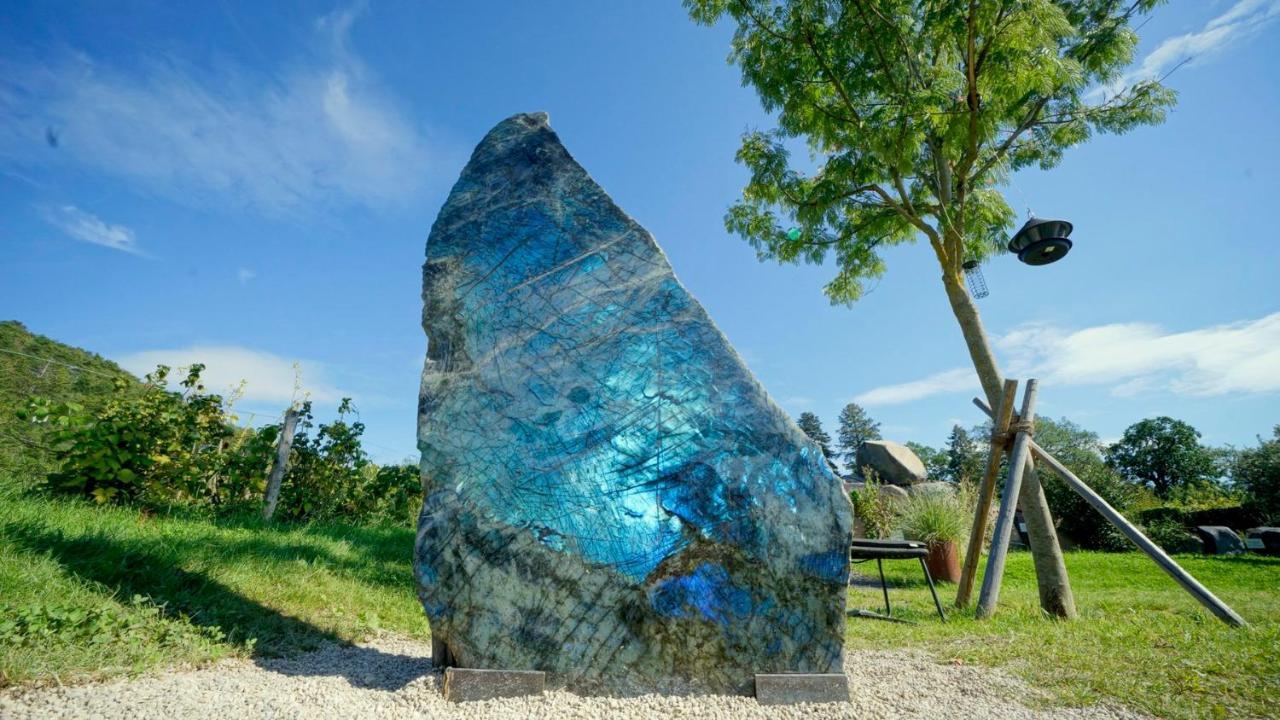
x=941, y=519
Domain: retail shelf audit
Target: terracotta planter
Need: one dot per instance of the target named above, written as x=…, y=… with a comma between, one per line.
x=943, y=562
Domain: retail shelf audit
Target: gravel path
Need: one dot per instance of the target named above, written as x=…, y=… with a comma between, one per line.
x=392, y=678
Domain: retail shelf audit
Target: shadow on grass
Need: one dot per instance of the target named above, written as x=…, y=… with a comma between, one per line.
x=141, y=568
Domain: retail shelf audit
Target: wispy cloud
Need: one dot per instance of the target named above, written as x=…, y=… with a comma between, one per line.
x=795, y=402
x=267, y=378
x=1131, y=358
x=87, y=227
x=279, y=142
x=244, y=275
x=957, y=380
x=1242, y=20
x=1134, y=358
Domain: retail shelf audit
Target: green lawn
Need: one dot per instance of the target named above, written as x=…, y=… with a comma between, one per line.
x=91, y=592
x=1140, y=639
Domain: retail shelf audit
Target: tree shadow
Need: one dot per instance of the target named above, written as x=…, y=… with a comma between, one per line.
x=279, y=642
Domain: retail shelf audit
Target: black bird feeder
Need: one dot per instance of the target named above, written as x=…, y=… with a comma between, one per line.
x=1041, y=242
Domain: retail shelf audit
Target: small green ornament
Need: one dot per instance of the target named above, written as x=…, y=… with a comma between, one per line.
x=793, y=234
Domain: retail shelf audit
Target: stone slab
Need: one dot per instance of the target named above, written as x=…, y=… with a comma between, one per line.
x=471, y=684
x=792, y=688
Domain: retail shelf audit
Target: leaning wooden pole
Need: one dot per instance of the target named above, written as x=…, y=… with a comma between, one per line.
x=986, y=492
x=281, y=464
x=1166, y=563
x=990, y=594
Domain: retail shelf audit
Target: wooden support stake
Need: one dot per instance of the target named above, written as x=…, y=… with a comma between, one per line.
x=281, y=464
x=986, y=493
x=990, y=594
x=1166, y=563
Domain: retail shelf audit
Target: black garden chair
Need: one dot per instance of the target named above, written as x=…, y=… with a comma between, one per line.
x=863, y=550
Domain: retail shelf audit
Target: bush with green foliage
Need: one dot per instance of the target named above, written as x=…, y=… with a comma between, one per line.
x=331, y=477
x=1173, y=537
x=155, y=446
x=32, y=365
x=1256, y=472
x=1081, y=451
x=878, y=512
x=938, y=516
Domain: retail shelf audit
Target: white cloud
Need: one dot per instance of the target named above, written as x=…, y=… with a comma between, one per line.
x=1139, y=358
x=282, y=144
x=1131, y=358
x=956, y=380
x=244, y=275
x=87, y=227
x=267, y=378
x=1240, y=21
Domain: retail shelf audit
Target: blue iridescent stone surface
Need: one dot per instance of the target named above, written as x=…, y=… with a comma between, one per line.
x=610, y=496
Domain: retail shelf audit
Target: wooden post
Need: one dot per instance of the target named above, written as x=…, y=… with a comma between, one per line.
x=1056, y=597
x=1166, y=563
x=986, y=492
x=990, y=594
x=282, y=462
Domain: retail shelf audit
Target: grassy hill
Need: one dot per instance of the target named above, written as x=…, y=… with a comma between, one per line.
x=34, y=365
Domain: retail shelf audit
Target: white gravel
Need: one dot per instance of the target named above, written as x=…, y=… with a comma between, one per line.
x=391, y=677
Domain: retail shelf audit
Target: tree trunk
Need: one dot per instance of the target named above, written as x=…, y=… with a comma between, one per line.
x=1051, y=571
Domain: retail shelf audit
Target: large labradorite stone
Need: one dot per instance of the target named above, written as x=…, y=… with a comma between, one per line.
x=611, y=497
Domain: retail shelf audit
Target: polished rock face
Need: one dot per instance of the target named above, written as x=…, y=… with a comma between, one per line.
x=610, y=496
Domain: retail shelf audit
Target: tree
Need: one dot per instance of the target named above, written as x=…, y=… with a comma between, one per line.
x=965, y=463
x=1164, y=454
x=812, y=427
x=1081, y=450
x=1256, y=471
x=935, y=460
x=914, y=113
x=856, y=427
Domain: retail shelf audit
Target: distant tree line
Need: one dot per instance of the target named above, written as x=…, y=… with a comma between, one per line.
x=1158, y=462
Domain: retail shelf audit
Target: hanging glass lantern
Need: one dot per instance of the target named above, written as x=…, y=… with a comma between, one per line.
x=1040, y=242
x=973, y=276
x=794, y=234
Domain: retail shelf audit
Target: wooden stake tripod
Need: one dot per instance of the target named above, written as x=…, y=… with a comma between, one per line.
x=1018, y=434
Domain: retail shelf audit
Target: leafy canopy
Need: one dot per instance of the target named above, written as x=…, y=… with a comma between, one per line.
x=913, y=112
x=1257, y=472
x=1165, y=454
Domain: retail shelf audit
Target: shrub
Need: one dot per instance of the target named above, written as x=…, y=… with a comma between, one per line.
x=938, y=516
x=1173, y=537
x=1081, y=451
x=1256, y=471
x=153, y=445
x=877, y=511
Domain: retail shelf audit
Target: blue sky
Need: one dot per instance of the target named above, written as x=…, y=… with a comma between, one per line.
x=251, y=186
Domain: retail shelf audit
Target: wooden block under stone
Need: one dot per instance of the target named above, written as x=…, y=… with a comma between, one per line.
x=791, y=688
x=467, y=684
